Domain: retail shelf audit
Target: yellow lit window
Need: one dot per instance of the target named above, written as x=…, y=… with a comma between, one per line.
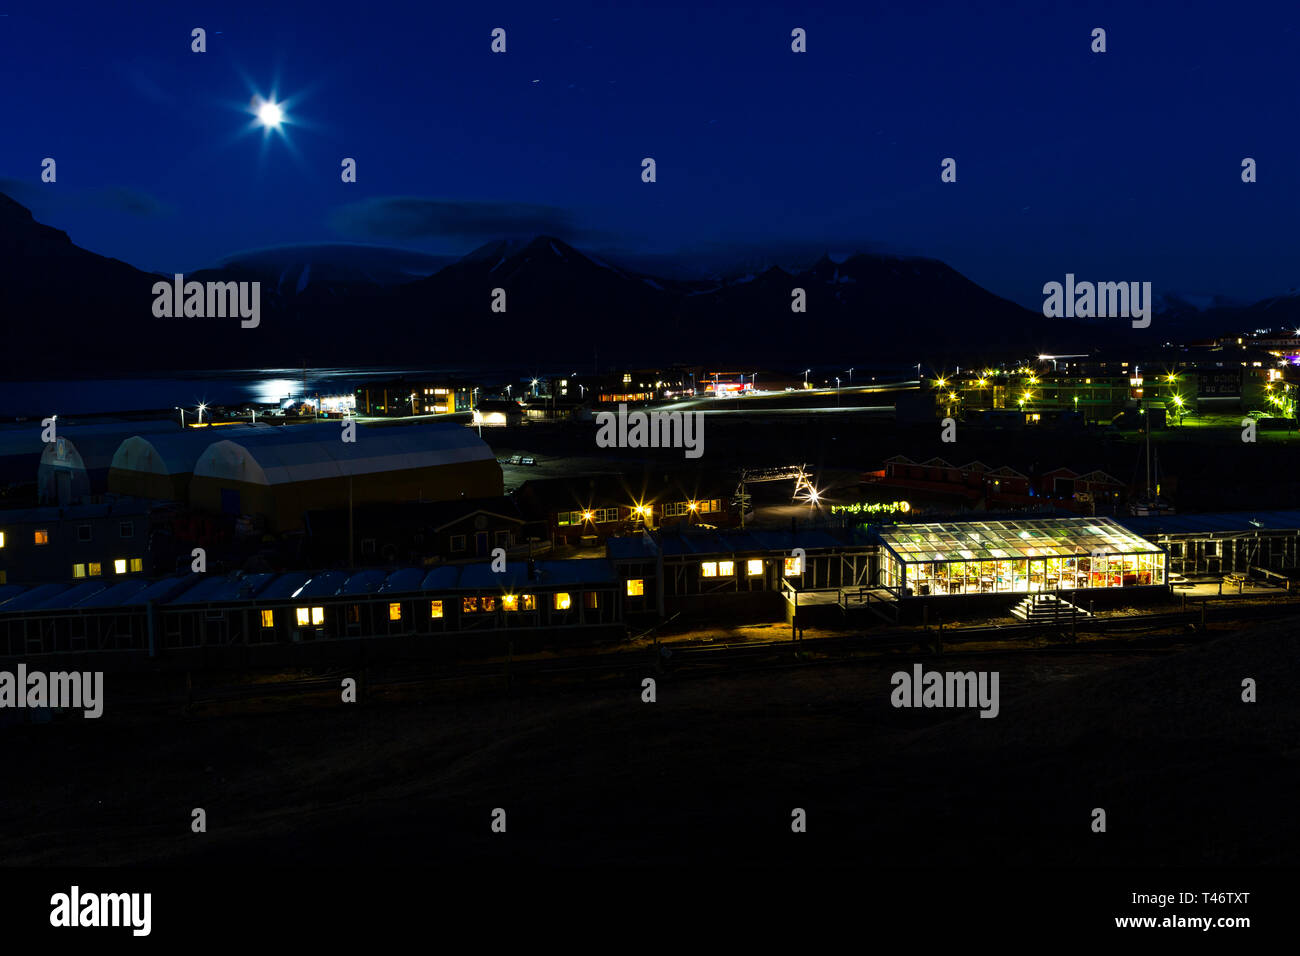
x=530, y=602
x=42, y=537
x=317, y=616
x=94, y=569
x=268, y=619
x=489, y=603
x=793, y=568
x=2, y=539
x=510, y=602
x=468, y=605
x=395, y=611
x=78, y=570
x=303, y=616
x=709, y=569
x=562, y=602
x=137, y=565
x=435, y=609
x=119, y=566
x=726, y=568
x=635, y=587
x=754, y=566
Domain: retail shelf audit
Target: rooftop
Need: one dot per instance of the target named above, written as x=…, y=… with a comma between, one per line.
x=1011, y=539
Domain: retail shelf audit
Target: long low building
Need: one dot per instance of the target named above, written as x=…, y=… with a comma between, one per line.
x=160, y=465
x=76, y=464
x=899, y=571
x=1220, y=542
x=197, y=610
x=282, y=473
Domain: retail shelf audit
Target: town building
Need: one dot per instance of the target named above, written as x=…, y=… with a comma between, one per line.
x=105, y=541
x=278, y=474
x=976, y=484
x=1097, y=389
x=400, y=397
x=588, y=510
x=416, y=533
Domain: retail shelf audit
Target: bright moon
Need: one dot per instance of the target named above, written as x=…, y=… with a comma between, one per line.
x=270, y=115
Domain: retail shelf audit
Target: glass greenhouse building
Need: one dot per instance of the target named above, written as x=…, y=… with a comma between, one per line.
x=1016, y=556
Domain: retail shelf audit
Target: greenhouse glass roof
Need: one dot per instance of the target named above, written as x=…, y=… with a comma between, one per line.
x=1011, y=539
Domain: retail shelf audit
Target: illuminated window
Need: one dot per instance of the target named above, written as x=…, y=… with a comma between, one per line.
x=137, y=565
x=78, y=570
x=726, y=568
x=510, y=602
x=793, y=567
x=317, y=616
x=119, y=566
x=562, y=602
x=435, y=609
x=635, y=587
x=2, y=539
x=529, y=602
x=589, y=600
x=709, y=569
x=42, y=537
x=469, y=605
x=754, y=566
x=489, y=603
x=395, y=611
x=303, y=616
x=94, y=569
x=268, y=619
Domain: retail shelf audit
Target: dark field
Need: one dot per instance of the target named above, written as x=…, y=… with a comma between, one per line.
x=1187, y=773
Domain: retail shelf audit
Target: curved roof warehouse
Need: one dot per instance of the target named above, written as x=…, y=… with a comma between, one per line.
x=160, y=465
x=282, y=472
x=76, y=464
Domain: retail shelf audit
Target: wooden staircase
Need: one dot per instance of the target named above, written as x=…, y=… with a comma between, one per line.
x=1046, y=609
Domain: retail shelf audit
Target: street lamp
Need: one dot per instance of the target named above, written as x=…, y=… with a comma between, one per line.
x=202, y=409
x=805, y=377
x=850, y=376
x=182, y=411
x=837, y=391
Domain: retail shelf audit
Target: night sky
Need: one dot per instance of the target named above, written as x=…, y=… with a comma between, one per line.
x=1116, y=166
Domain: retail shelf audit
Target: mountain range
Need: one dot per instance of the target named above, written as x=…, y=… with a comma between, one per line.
x=76, y=312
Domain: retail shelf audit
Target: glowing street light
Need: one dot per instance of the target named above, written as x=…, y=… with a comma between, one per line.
x=202, y=408
x=269, y=114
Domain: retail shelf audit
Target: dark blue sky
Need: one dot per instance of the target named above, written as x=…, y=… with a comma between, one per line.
x=1118, y=166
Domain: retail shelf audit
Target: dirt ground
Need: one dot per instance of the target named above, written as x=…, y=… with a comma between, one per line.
x=710, y=772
